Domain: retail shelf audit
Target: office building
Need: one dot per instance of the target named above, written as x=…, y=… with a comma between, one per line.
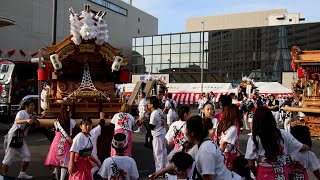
x=262, y=53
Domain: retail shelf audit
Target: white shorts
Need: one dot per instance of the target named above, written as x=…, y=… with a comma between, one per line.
x=250, y=119
x=10, y=153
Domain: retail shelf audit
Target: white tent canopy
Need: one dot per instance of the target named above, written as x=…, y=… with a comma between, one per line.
x=272, y=88
x=196, y=87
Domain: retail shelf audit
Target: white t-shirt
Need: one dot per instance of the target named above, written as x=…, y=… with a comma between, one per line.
x=291, y=145
x=142, y=104
x=22, y=115
x=119, y=167
x=210, y=161
x=307, y=158
x=202, y=102
x=176, y=133
x=214, y=122
x=123, y=121
x=172, y=110
x=94, y=134
x=81, y=141
x=231, y=137
x=72, y=125
x=156, y=119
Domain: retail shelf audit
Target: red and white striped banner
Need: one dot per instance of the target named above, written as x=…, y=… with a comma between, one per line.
x=191, y=98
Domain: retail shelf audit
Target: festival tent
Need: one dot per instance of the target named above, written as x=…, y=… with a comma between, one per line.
x=272, y=88
x=186, y=93
x=189, y=93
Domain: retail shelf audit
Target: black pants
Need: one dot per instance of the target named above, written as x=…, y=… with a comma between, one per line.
x=148, y=138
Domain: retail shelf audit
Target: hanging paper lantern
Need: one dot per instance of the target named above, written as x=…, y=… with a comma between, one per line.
x=293, y=65
x=300, y=72
x=22, y=53
x=11, y=52
x=34, y=53
x=43, y=75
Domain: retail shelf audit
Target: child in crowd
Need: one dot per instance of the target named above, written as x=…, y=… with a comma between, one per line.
x=142, y=108
x=14, y=142
x=123, y=123
x=300, y=161
x=80, y=153
x=119, y=166
x=208, y=157
x=208, y=113
x=158, y=132
x=227, y=133
x=176, y=134
x=182, y=163
x=269, y=146
x=59, y=155
x=170, y=108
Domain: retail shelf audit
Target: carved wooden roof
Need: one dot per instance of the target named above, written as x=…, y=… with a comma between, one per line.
x=67, y=48
x=300, y=56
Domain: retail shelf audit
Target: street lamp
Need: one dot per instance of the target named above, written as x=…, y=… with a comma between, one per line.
x=202, y=59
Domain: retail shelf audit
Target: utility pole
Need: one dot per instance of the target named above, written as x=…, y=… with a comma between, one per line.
x=54, y=22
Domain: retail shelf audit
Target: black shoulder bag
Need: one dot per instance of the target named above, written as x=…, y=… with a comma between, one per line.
x=17, y=140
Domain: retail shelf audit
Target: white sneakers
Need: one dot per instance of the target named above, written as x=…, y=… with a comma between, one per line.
x=24, y=175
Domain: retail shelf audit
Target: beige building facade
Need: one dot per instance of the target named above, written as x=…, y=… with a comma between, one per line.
x=33, y=23
x=231, y=21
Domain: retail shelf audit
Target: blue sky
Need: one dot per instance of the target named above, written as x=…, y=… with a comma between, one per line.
x=172, y=14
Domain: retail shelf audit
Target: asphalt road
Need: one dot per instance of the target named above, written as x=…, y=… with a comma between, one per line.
x=39, y=147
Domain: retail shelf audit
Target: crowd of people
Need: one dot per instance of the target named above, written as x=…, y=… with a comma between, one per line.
x=205, y=146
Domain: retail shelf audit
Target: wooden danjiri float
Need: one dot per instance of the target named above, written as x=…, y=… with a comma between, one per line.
x=307, y=65
x=81, y=72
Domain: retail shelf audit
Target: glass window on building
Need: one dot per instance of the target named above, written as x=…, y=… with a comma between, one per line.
x=195, y=57
x=147, y=49
x=185, y=48
x=175, y=48
x=166, y=39
x=195, y=37
x=185, y=65
x=156, y=68
x=148, y=59
x=133, y=41
x=156, y=40
x=139, y=50
x=156, y=49
x=195, y=47
x=148, y=68
x=165, y=49
x=156, y=59
x=139, y=41
x=165, y=58
x=185, y=57
x=147, y=41
x=175, y=58
x=175, y=38
x=175, y=65
x=165, y=67
x=185, y=38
